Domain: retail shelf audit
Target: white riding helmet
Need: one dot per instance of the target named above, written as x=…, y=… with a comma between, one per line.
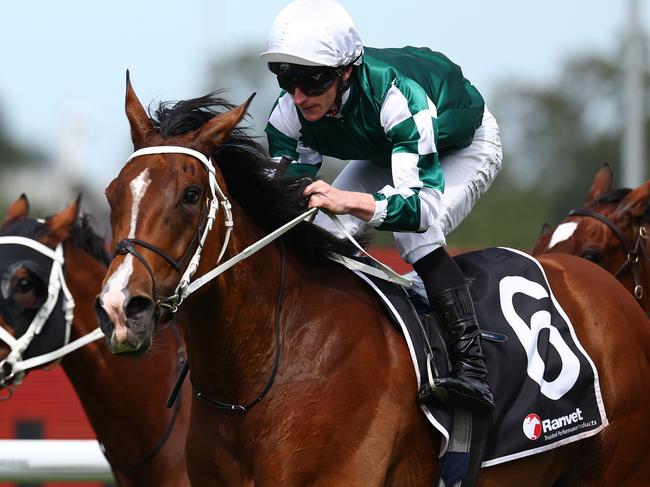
x=313, y=33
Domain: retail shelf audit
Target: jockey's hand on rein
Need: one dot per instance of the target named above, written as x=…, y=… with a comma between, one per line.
x=325, y=196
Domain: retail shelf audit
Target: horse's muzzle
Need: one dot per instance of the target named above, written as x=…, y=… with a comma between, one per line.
x=131, y=334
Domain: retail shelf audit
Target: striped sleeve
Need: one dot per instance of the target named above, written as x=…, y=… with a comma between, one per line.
x=283, y=135
x=409, y=119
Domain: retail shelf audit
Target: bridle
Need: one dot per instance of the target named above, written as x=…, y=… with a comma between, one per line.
x=633, y=252
x=128, y=245
x=13, y=368
x=184, y=288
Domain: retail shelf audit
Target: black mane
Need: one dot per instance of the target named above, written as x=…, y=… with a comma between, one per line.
x=615, y=196
x=84, y=237
x=247, y=168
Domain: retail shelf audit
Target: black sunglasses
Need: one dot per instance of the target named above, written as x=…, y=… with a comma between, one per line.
x=312, y=81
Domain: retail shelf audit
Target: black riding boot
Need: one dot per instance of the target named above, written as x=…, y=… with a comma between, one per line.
x=453, y=307
x=467, y=381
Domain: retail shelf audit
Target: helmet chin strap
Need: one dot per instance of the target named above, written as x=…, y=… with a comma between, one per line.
x=341, y=86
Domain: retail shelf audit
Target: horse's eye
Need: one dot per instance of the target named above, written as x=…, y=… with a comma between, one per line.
x=28, y=292
x=591, y=256
x=191, y=195
x=24, y=285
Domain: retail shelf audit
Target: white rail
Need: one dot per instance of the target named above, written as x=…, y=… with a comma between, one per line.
x=50, y=460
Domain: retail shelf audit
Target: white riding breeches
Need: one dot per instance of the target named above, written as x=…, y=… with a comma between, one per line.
x=468, y=172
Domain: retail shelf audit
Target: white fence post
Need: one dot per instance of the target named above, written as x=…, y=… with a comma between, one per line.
x=52, y=460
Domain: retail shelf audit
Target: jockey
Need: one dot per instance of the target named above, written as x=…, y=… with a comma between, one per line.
x=422, y=148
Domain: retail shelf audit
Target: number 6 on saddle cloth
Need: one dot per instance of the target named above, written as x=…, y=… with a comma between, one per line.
x=528, y=335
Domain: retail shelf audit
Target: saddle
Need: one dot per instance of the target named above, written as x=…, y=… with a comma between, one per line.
x=546, y=388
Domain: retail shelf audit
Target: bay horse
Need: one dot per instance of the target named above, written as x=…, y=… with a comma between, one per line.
x=123, y=399
x=298, y=376
x=611, y=230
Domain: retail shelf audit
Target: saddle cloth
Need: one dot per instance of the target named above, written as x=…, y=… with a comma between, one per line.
x=545, y=386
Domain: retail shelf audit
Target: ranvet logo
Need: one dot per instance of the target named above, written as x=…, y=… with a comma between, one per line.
x=532, y=426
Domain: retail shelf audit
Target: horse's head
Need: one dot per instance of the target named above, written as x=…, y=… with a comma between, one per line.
x=162, y=203
x=33, y=298
x=543, y=239
x=609, y=229
x=578, y=236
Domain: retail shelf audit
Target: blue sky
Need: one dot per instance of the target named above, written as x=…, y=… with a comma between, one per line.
x=63, y=63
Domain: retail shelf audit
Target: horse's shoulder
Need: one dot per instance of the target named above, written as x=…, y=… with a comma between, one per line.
x=558, y=263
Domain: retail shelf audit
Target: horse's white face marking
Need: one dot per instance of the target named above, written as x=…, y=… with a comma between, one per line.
x=138, y=188
x=113, y=294
x=563, y=232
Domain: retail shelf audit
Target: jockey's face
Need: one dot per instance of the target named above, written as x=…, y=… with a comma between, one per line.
x=314, y=108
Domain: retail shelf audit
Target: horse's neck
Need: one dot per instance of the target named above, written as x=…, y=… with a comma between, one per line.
x=231, y=323
x=101, y=378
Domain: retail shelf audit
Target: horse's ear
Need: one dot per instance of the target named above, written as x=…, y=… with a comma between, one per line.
x=141, y=126
x=60, y=225
x=603, y=182
x=636, y=202
x=211, y=134
x=543, y=239
x=546, y=229
x=17, y=211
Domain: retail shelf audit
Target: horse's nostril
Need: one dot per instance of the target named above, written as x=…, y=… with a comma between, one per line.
x=138, y=305
x=102, y=316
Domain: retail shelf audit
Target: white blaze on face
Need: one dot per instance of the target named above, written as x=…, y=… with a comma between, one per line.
x=113, y=295
x=563, y=232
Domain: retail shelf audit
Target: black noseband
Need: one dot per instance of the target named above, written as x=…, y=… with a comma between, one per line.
x=127, y=246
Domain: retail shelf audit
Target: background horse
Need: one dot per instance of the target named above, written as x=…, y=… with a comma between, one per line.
x=299, y=377
x=123, y=399
x=610, y=229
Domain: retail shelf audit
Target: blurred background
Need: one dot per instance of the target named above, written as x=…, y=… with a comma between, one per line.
x=566, y=81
